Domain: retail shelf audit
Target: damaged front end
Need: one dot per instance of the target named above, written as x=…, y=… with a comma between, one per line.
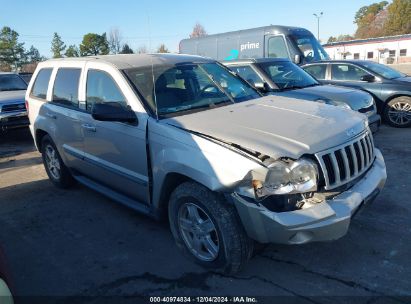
x=283, y=185
x=285, y=202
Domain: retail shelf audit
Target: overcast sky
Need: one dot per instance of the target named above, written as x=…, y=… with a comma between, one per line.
x=153, y=22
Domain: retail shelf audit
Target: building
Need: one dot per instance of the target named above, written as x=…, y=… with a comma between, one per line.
x=388, y=50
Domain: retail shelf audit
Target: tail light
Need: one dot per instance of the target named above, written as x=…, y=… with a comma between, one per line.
x=27, y=106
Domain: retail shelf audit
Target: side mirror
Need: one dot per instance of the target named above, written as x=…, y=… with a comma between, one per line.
x=297, y=59
x=113, y=111
x=368, y=78
x=262, y=87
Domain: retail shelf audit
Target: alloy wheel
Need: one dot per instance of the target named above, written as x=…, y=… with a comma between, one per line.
x=199, y=232
x=400, y=113
x=52, y=161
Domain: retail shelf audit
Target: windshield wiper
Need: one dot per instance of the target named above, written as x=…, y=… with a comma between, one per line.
x=12, y=89
x=293, y=88
x=312, y=85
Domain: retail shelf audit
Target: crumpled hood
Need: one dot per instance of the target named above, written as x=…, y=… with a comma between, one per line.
x=276, y=126
x=356, y=99
x=12, y=96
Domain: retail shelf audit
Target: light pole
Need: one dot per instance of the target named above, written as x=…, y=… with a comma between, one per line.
x=318, y=16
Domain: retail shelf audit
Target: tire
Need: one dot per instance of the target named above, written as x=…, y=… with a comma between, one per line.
x=397, y=112
x=56, y=170
x=220, y=224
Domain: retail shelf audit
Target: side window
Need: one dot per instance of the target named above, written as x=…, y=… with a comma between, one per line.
x=277, y=47
x=65, y=90
x=101, y=88
x=346, y=72
x=246, y=72
x=41, y=84
x=318, y=71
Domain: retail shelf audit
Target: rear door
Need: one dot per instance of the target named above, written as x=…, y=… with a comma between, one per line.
x=64, y=115
x=115, y=152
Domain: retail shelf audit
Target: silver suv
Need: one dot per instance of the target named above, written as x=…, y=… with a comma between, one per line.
x=183, y=137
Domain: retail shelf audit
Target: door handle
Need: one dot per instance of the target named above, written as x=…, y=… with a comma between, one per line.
x=50, y=115
x=88, y=127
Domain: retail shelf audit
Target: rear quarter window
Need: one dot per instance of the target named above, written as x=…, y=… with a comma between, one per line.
x=41, y=84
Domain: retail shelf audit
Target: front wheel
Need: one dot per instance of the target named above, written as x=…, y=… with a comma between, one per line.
x=207, y=229
x=397, y=112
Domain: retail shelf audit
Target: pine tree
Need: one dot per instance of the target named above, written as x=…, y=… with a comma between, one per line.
x=57, y=46
x=12, y=53
x=33, y=55
x=126, y=49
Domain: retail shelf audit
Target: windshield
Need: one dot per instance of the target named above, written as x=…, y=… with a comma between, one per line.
x=189, y=87
x=12, y=82
x=382, y=70
x=310, y=47
x=287, y=75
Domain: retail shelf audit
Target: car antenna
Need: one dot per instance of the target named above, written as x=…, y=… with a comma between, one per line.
x=152, y=66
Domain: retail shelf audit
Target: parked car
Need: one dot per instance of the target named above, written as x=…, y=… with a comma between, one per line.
x=390, y=88
x=183, y=136
x=13, y=112
x=281, y=77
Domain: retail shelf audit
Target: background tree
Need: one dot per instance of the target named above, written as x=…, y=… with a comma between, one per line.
x=369, y=21
x=57, y=46
x=72, y=51
x=12, y=53
x=33, y=55
x=162, y=49
x=142, y=49
x=344, y=37
x=126, y=49
x=399, y=18
x=198, y=31
x=94, y=44
x=114, y=40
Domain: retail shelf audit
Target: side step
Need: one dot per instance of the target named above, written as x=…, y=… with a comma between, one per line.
x=118, y=197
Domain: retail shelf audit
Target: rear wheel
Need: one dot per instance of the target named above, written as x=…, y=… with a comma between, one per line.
x=397, y=112
x=207, y=229
x=55, y=168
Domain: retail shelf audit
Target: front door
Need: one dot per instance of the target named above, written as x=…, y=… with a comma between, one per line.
x=115, y=153
x=350, y=75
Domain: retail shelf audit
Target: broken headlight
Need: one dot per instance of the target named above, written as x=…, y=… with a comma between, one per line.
x=286, y=178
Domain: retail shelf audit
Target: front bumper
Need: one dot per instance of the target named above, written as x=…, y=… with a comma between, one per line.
x=326, y=221
x=12, y=120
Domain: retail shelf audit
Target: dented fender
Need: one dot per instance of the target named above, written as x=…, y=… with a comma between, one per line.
x=173, y=150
